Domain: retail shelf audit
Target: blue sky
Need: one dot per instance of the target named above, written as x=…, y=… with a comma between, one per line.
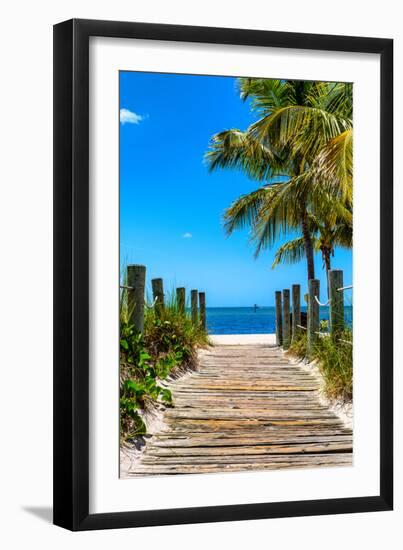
x=171, y=207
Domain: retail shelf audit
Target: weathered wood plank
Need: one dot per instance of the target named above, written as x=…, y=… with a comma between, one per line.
x=245, y=408
x=158, y=295
x=313, y=316
x=279, y=318
x=296, y=311
x=248, y=450
x=157, y=466
x=336, y=306
x=136, y=276
x=261, y=431
x=193, y=305
x=256, y=414
x=252, y=440
x=181, y=299
x=225, y=440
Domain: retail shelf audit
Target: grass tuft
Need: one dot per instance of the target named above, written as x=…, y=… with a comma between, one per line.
x=298, y=345
x=335, y=362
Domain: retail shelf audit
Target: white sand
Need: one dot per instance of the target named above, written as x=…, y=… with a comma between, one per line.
x=130, y=457
x=242, y=339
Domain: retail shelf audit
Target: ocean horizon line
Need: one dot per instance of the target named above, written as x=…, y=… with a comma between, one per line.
x=261, y=307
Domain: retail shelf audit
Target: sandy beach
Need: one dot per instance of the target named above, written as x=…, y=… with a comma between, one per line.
x=242, y=339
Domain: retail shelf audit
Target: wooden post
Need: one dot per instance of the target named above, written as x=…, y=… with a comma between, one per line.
x=193, y=304
x=336, y=303
x=158, y=295
x=202, y=305
x=296, y=310
x=313, y=316
x=286, y=318
x=181, y=299
x=136, y=279
x=279, y=319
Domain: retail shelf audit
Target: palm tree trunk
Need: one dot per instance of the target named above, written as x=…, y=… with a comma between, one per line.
x=308, y=244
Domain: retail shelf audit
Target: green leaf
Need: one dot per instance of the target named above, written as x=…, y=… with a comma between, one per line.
x=124, y=344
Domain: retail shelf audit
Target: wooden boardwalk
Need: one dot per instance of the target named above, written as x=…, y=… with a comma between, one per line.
x=245, y=408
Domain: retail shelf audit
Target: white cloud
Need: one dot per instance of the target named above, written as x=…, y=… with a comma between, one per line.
x=187, y=236
x=129, y=117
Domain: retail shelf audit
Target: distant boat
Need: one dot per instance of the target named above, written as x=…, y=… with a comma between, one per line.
x=255, y=307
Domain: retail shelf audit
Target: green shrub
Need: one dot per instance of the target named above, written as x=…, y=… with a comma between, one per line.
x=169, y=340
x=173, y=333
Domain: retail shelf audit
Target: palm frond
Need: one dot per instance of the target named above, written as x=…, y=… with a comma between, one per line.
x=291, y=252
x=333, y=165
x=343, y=235
x=245, y=210
x=240, y=150
x=265, y=94
x=276, y=217
x=304, y=129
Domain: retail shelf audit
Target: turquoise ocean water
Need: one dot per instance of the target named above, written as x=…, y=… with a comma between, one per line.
x=244, y=320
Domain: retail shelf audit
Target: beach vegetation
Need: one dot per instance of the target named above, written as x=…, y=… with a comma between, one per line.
x=335, y=362
x=167, y=346
x=334, y=359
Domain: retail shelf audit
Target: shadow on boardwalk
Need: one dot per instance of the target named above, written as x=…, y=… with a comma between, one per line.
x=245, y=408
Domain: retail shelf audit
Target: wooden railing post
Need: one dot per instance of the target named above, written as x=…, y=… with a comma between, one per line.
x=336, y=302
x=202, y=305
x=296, y=311
x=181, y=299
x=286, y=318
x=136, y=280
x=279, y=319
x=313, y=316
x=158, y=295
x=193, y=305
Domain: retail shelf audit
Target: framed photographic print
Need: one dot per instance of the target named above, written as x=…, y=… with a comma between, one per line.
x=223, y=319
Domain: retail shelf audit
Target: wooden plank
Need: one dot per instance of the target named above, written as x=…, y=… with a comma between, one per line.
x=313, y=316
x=202, y=309
x=296, y=311
x=149, y=470
x=279, y=318
x=225, y=440
x=249, y=450
x=286, y=319
x=216, y=425
x=336, y=306
x=235, y=414
x=136, y=277
x=181, y=299
x=158, y=295
x=245, y=408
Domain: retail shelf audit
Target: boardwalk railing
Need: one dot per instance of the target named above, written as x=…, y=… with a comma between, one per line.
x=136, y=303
x=288, y=325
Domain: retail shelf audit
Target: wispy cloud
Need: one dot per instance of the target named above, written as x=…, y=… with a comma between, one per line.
x=187, y=236
x=130, y=117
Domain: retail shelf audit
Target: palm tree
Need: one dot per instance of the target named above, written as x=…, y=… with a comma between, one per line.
x=297, y=119
x=327, y=233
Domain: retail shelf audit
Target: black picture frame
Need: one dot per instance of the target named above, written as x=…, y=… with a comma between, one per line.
x=71, y=274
